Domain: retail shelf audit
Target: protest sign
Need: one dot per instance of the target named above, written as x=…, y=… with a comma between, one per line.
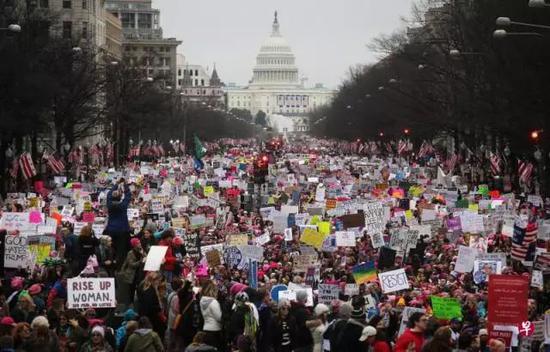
x=198, y=220
x=238, y=239
x=353, y=220
x=78, y=226
x=288, y=295
x=132, y=213
x=304, y=261
x=154, y=258
x=312, y=238
x=504, y=336
x=394, y=280
x=537, y=279
x=345, y=239
x=253, y=273
x=446, y=308
x=374, y=217
x=328, y=293
x=377, y=240
x=547, y=328
x=252, y=252
x=351, y=289
x=471, y=222
x=16, y=252
x=213, y=258
x=14, y=221
x=232, y=257
x=88, y=292
x=40, y=251
x=466, y=258
x=508, y=299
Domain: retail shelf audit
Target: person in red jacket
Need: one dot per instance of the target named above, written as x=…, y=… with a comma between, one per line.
x=170, y=259
x=412, y=339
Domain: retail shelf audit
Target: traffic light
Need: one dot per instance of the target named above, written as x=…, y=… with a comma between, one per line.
x=261, y=167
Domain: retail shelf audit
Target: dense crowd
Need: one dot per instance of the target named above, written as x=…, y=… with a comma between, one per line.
x=327, y=251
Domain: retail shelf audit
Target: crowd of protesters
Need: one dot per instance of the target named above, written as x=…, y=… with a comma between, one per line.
x=196, y=302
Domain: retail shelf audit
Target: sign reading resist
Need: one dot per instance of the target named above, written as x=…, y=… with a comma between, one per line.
x=395, y=280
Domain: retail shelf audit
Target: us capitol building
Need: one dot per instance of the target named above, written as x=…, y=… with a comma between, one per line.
x=276, y=87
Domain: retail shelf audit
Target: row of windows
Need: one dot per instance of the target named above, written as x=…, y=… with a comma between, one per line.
x=148, y=48
x=266, y=61
x=67, y=4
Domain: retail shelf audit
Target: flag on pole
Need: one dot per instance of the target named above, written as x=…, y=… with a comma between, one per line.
x=14, y=168
x=525, y=171
x=27, y=166
x=496, y=162
x=57, y=166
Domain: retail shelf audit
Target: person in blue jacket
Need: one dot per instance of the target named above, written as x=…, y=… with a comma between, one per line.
x=118, y=227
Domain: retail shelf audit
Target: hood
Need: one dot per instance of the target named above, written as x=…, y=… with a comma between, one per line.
x=205, y=302
x=143, y=332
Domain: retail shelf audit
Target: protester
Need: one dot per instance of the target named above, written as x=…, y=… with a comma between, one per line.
x=144, y=339
x=301, y=262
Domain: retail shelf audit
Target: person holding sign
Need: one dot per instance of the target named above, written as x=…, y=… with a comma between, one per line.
x=118, y=227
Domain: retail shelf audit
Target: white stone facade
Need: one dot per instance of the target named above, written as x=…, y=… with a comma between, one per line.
x=275, y=87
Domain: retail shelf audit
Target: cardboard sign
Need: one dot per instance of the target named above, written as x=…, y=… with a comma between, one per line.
x=154, y=258
x=88, y=292
x=16, y=254
x=392, y=281
x=345, y=239
x=238, y=239
x=466, y=258
x=446, y=308
x=328, y=293
x=508, y=296
x=353, y=220
x=213, y=258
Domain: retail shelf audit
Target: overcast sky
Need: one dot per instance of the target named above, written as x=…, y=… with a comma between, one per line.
x=326, y=36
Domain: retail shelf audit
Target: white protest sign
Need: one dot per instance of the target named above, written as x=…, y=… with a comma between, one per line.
x=263, y=239
x=155, y=257
x=78, y=226
x=377, y=240
x=370, y=301
x=320, y=193
x=14, y=221
x=351, y=289
x=428, y=215
x=132, y=213
x=288, y=234
x=466, y=258
x=289, y=209
x=471, y=222
x=16, y=253
x=91, y=292
x=288, y=295
x=547, y=328
x=537, y=279
x=345, y=239
x=98, y=229
x=156, y=206
x=328, y=293
x=252, y=252
x=295, y=287
x=395, y=280
x=374, y=217
x=423, y=230
x=46, y=229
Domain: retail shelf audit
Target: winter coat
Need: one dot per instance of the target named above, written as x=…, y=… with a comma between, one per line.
x=169, y=258
x=131, y=265
x=211, y=313
x=118, y=216
x=301, y=314
x=277, y=333
x=201, y=348
x=88, y=347
x=144, y=340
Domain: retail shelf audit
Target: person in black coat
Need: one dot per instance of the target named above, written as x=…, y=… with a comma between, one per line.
x=285, y=330
x=87, y=245
x=149, y=301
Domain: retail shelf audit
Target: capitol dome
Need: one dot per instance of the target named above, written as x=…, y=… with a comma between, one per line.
x=275, y=63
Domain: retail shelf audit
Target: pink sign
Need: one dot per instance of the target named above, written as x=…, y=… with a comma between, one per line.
x=88, y=216
x=35, y=217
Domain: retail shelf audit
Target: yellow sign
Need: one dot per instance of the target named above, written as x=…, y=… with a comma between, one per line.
x=208, y=191
x=324, y=228
x=408, y=214
x=314, y=220
x=238, y=239
x=474, y=207
x=87, y=206
x=41, y=251
x=313, y=238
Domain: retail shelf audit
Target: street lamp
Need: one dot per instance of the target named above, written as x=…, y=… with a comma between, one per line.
x=506, y=21
x=538, y=3
x=15, y=28
x=349, y=107
x=392, y=81
x=421, y=67
x=406, y=131
x=381, y=88
x=502, y=33
x=535, y=135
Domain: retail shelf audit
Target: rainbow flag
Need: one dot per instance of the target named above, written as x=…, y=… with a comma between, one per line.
x=364, y=272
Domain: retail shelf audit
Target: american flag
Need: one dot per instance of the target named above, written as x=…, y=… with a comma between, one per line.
x=523, y=237
x=27, y=166
x=401, y=147
x=56, y=165
x=496, y=162
x=134, y=151
x=95, y=154
x=525, y=171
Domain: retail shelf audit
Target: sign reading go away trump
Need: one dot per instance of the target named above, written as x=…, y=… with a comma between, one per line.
x=91, y=292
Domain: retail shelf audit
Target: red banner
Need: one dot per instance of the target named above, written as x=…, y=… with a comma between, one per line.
x=508, y=299
x=504, y=336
